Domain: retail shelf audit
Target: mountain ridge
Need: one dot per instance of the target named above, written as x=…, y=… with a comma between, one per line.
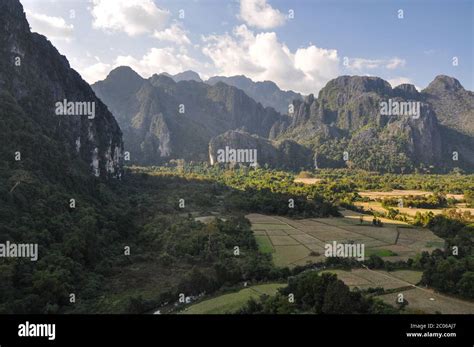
x=344, y=118
x=266, y=92
x=155, y=129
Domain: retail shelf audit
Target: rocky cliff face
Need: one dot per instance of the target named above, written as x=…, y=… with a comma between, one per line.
x=240, y=148
x=163, y=120
x=34, y=77
x=346, y=125
x=454, y=108
x=454, y=105
x=267, y=93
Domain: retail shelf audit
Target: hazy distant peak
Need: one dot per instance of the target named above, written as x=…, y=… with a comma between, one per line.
x=187, y=76
x=125, y=74
x=267, y=93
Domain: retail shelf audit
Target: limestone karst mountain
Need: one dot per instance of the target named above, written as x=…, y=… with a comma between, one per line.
x=34, y=77
x=162, y=119
x=454, y=105
x=56, y=170
x=345, y=126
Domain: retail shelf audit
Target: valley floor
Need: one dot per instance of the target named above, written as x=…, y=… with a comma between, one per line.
x=299, y=242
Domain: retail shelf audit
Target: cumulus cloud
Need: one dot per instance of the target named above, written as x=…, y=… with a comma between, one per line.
x=95, y=72
x=158, y=60
x=133, y=17
x=263, y=57
x=259, y=14
x=361, y=64
x=175, y=33
x=54, y=28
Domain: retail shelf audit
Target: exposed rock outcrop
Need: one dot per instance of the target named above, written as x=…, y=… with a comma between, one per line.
x=163, y=120
x=35, y=77
x=454, y=105
x=347, y=117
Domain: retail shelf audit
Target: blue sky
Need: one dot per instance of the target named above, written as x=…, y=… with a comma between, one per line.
x=324, y=39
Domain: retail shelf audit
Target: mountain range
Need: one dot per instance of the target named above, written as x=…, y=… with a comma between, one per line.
x=267, y=92
x=162, y=119
x=342, y=127
x=347, y=117
x=181, y=116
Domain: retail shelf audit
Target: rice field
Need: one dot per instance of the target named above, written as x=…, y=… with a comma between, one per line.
x=377, y=207
x=229, y=303
x=299, y=242
x=420, y=300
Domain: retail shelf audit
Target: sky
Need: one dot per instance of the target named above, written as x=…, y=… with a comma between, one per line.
x=298, y=44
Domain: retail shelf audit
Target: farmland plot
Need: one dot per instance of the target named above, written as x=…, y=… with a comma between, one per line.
x=297, y=242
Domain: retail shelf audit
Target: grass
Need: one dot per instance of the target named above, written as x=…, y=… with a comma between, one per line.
x=380, y=253
x=411, y=276
x=264, y=244
x=287, y=255
x=435, y=244
x=229, y=303
x=290, y=242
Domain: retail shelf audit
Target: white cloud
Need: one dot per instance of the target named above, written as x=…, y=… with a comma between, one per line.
x=360, y=64
x=396, y=81
x=134, y=17
x=54, y=28
x=158, y=60
x=175, y=34
x=395, y=63
x=95, y=72
x=262, y=57
x=258, y=13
